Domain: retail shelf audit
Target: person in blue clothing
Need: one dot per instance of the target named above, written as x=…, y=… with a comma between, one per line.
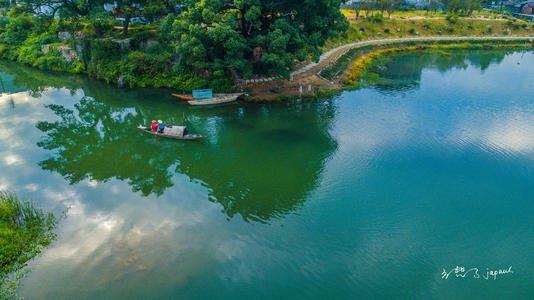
x=161, y=126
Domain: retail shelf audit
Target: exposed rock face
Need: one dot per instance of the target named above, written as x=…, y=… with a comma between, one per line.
x=65, y=51
x=64, y=35
x=45, y=48
x=121, y=82
x=79, y=48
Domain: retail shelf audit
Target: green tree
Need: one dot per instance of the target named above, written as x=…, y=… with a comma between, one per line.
x=462, y=6
x=252, y=36
x=39, y=7
x=51, y=7
x=153, y=10
x=433, y=5
x=389, y=6
x=18, y=29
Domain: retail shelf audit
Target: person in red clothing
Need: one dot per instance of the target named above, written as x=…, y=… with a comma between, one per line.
x=154, y=125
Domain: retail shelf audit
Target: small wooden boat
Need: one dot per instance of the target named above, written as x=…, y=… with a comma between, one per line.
x=183, y=97
x=207, y=97
x=216, y=99
x=173, y=132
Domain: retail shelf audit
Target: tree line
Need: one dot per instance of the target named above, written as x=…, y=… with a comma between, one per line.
x=382, y=7
x=213, y=38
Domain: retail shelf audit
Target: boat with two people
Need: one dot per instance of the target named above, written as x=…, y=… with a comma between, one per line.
x=173, y=132
x=207, y=97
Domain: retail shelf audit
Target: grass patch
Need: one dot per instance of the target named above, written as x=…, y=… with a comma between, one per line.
x=24, y=231
x=422, y=23
x=343, y=63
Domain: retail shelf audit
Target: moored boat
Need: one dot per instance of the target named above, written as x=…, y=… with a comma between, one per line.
x=173, y=132
x=207, y=97
x=216, y=99
x=183, y=97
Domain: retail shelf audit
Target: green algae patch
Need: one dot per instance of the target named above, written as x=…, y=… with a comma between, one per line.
x=24, y=231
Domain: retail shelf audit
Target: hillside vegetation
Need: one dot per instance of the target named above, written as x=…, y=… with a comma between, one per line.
x=212, y=43
x=202, y=43
x=422, y=23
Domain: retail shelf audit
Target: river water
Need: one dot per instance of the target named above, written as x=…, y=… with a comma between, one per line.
x=376, y=193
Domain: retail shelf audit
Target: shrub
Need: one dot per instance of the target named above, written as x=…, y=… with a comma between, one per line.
x=222, y=85
x=29, y=53
x=165, y=28
x=52, y=61
x=4, y=49
x=70, y=25
x=105, y=50
x=47, y=38
x=3, y=21
x=452, y=18
x=100, y=25
x=18, y=29
x=377, y=18
x=102, y=59
x=513, y=25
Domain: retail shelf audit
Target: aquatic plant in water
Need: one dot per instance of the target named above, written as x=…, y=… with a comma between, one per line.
x=24, y=231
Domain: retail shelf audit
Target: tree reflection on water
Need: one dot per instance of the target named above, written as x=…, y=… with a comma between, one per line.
x=259, y=161
x=94, y=143
x=402, y=72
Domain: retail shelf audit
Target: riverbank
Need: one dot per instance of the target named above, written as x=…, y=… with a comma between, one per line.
x=147, y=56
x=325, y=76
x=424, y=24
x=25, y=230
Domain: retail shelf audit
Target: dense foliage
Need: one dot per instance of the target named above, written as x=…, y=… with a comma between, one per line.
x=252, y=36
x=173, y=43
x=207, y=43
x=24, y=229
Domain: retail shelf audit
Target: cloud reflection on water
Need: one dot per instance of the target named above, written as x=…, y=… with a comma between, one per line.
x=109, y=234
x=510, y=131
x=115, y=243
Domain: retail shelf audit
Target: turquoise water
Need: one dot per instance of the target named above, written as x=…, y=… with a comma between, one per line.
x=370, y=194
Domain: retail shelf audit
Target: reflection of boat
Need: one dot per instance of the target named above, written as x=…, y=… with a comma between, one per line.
x=216, y=99
x=173, y=132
